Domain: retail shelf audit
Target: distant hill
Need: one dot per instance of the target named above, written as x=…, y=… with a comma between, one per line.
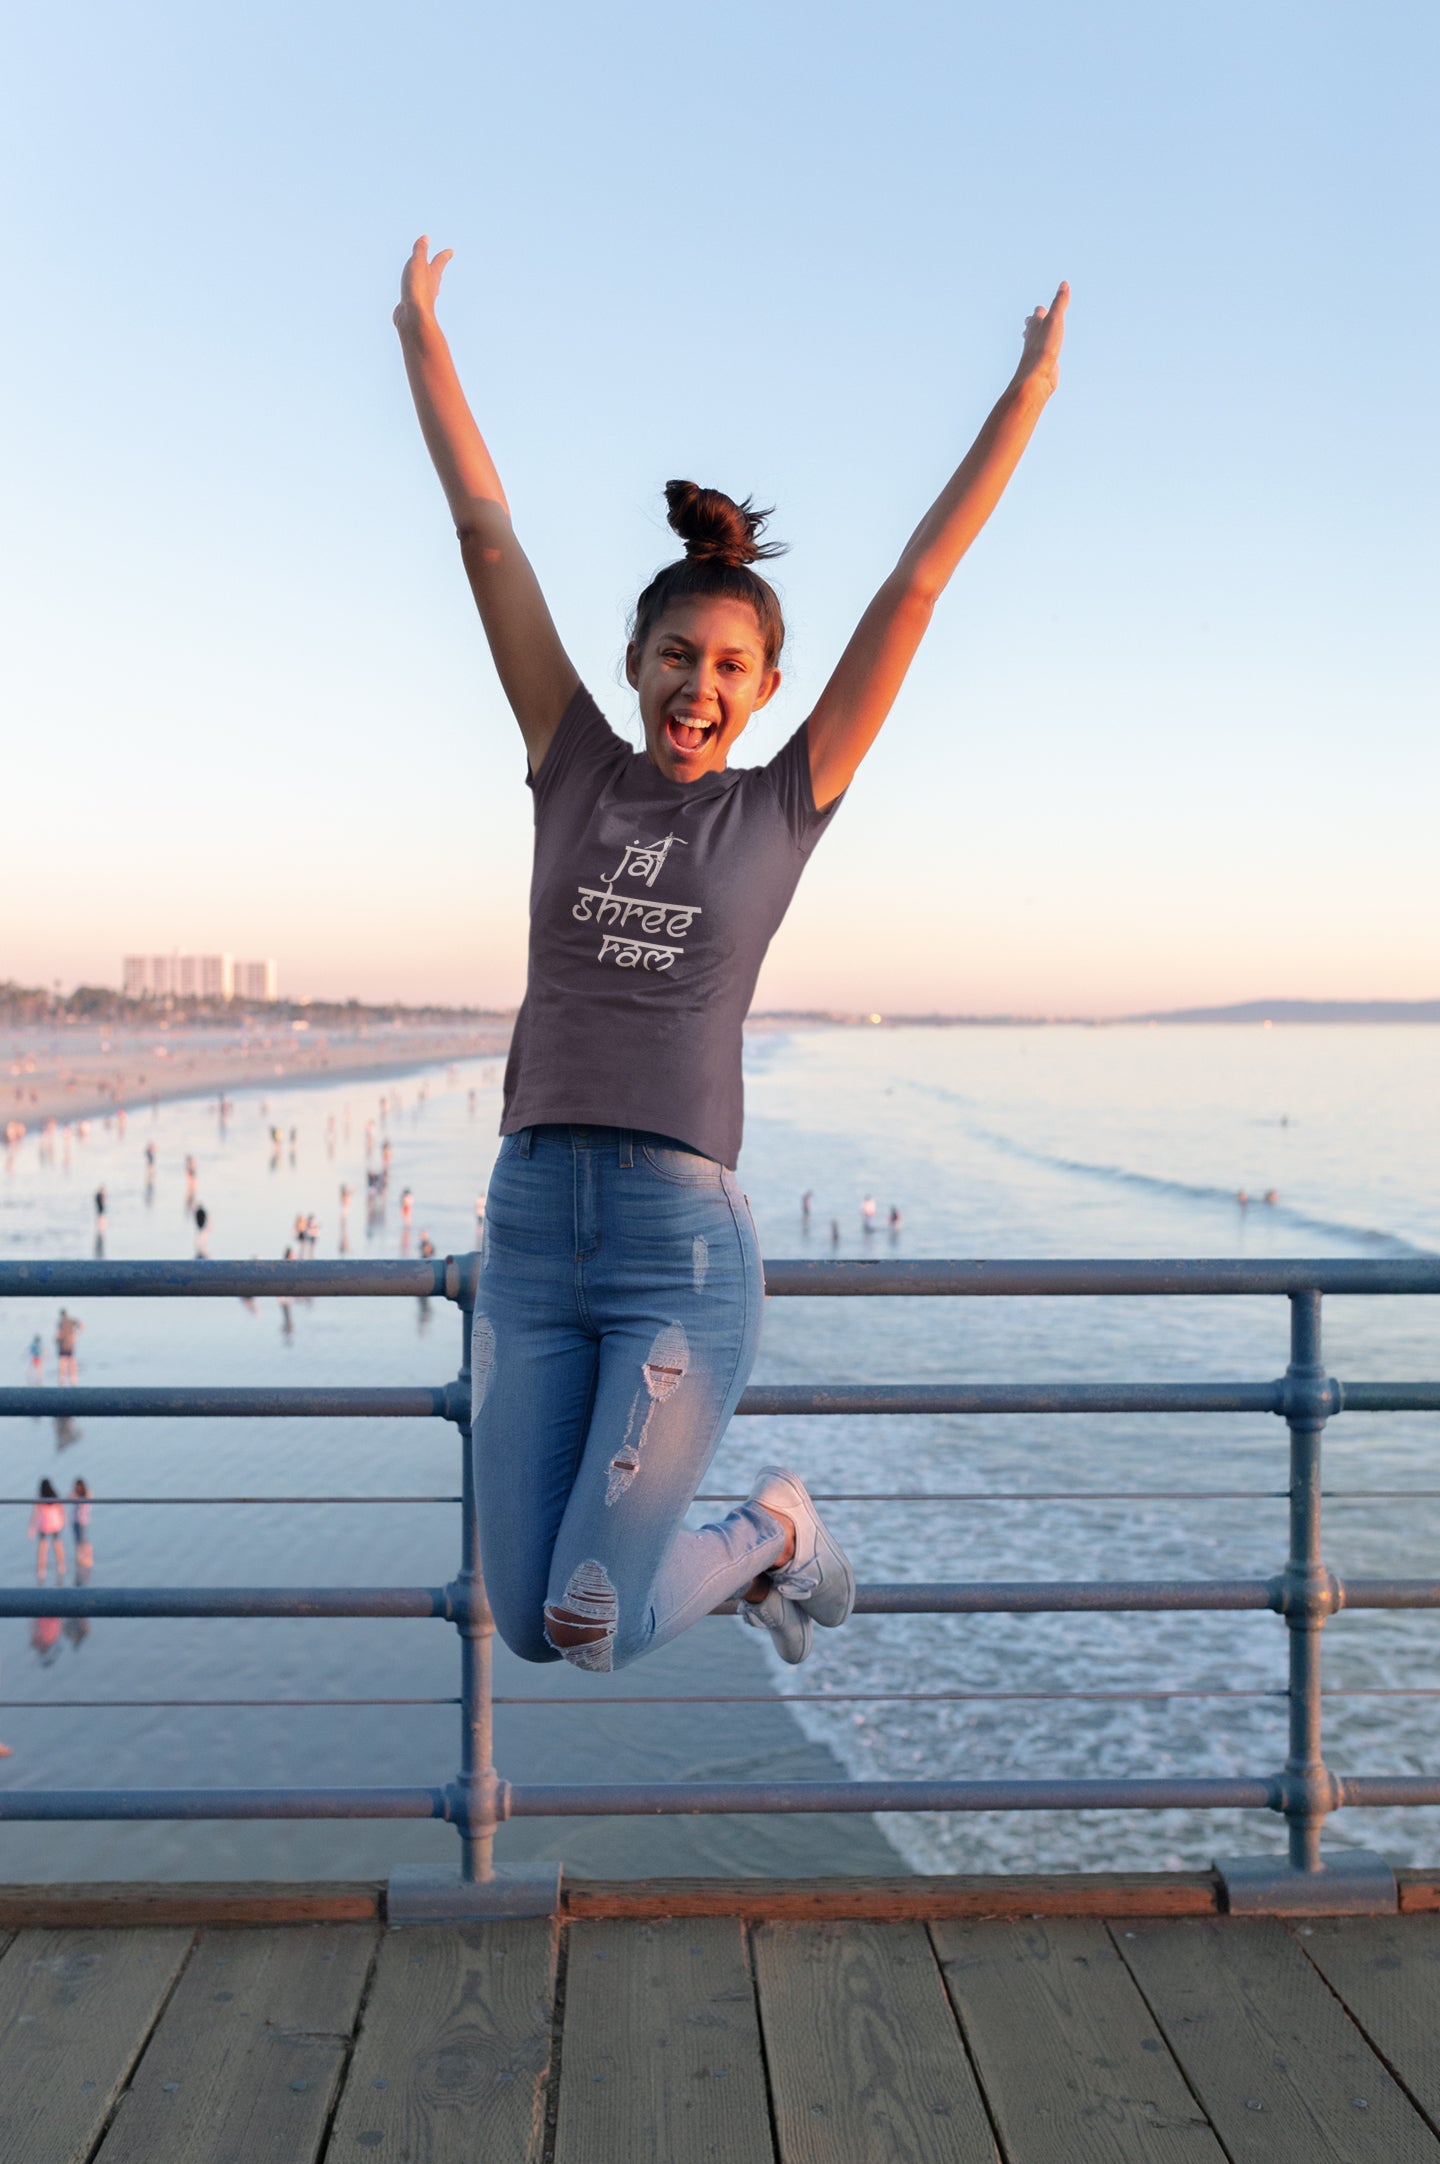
x=1304, y=1010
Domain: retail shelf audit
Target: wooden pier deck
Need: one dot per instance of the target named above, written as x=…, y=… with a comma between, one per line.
x=919, y=2022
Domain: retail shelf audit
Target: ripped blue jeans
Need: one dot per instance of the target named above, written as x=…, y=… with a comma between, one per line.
x=616, y=1324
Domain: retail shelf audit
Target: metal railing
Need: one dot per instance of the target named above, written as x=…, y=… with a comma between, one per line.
x=1304, y=1592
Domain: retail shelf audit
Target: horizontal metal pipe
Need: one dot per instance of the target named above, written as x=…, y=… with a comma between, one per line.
x=632, y=1799
x=1390, y=1397
x=635, y=1798
x=783, y=1278
x=265, y=1600
x=152, y=1502
x=420, y=1401
x=980, y=1596
x=1378, y=1789
x=794, y=1398
x=93, y=1705
x=103, y=1803
x=1390, y=1592
x=1045, y=1279
x=977, y=1597
x=181, y=1402
x=998, y=1597
x=222, y=1280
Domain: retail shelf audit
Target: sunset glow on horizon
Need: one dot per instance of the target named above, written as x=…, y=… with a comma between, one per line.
x=1172, y=738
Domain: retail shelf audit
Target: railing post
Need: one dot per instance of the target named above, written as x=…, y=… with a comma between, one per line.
x=1309, y=1793
x=1353, y=1881
x=418, y=1894
x=479, y=1784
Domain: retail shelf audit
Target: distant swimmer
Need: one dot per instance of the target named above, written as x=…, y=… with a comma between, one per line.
x=480, y=1210
x=202, y=1232
x=36, y=1356
x=1271, y=1196
x=407, y=1205
x=867, y=1213
x=894, y=1218
x=1242, y=1198
x=834, y=1232
x=99, y=1213
x=805, y=1201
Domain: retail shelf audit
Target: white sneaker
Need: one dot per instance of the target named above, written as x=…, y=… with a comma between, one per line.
x=788, y=1625
x=818, y=1576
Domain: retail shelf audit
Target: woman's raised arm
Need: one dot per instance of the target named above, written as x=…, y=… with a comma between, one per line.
x=536, y=673
x=872, y=668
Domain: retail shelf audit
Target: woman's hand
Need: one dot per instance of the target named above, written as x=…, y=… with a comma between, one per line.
x=420, y=282
x=1039, y=368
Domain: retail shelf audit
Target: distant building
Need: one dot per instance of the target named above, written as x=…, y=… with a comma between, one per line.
x=178, y=976
x=255, y=980
x=196, y=976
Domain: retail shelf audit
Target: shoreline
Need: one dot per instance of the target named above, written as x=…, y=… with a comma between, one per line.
x=102, y=1079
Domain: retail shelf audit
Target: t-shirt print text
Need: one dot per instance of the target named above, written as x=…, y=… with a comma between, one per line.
x=602, y=905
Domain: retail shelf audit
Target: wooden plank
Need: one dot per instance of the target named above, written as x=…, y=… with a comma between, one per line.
x=1283, y=2073
x=104, y=1905
x=865, y=2059
x=454, y=2047
x=1419, y=1891
x=1098, y=1893
x=245, y=2064
x=1386, y=1969
x=660, y=2058
x=75, y=2010
x=1067, y=2052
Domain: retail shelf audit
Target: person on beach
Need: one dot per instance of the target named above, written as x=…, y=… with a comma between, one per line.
x=67, y=1329
x=36, y=1356
x=80, y=1527
x=47, y=1530
x=620, y=1290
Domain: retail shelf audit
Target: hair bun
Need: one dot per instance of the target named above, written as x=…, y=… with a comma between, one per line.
x=716, y=529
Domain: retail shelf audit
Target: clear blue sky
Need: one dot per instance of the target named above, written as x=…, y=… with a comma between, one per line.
x=1173, y=736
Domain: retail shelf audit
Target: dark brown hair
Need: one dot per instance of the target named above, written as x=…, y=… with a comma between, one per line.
x=722, y=540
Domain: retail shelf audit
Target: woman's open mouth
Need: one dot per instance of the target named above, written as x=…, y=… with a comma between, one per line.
x=688, y=733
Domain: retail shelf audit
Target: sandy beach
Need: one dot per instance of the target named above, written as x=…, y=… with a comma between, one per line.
x=73, y=1070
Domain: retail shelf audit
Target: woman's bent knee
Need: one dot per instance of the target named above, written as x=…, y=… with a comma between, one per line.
x=526, y=1639
x=581, y=1625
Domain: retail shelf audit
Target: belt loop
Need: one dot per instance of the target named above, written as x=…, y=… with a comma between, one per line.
x=627, y=1148
x=527, y=1136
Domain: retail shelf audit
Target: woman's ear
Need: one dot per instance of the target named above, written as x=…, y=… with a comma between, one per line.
x=632, y=666
x=768, y=691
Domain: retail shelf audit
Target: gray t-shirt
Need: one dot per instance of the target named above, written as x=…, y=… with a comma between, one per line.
x=652, y=903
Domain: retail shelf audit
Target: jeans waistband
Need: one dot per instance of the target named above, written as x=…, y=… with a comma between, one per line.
x=620, y=1139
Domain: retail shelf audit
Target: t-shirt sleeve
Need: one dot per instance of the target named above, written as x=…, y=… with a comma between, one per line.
x=584, y=747
x=789, y=776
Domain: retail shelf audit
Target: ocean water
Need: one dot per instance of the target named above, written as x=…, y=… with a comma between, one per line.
x=1028, y=1142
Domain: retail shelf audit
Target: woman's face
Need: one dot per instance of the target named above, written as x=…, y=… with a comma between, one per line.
x=700, y=674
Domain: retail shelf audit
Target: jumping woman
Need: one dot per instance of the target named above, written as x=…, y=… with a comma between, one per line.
x=618, y=1314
